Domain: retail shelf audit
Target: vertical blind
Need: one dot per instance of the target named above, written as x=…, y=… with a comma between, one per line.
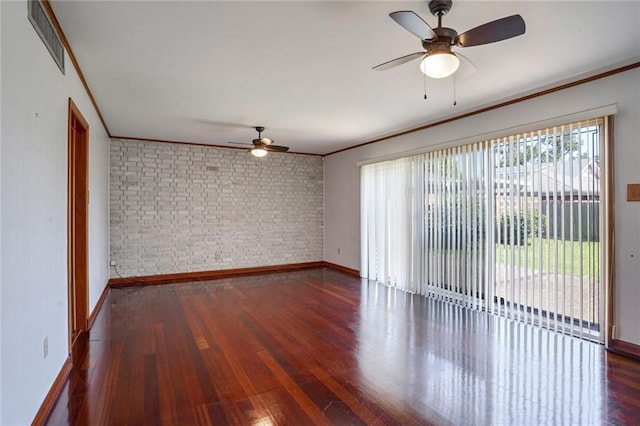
x=509, y=225
x=391, y=227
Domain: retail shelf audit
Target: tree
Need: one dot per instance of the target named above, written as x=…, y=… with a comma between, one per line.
x=546, y=148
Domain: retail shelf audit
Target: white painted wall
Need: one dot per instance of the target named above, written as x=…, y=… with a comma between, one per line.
x=342, y=192
x=98, y=198
x=33, y=226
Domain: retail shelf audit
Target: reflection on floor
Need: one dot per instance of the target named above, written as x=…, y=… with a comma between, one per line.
x=321, y=347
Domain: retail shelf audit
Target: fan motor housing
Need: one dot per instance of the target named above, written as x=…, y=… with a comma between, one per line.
x=440, y=7
x=446, y=36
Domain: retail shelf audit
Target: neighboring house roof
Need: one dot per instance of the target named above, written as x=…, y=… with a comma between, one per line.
x=570, y=177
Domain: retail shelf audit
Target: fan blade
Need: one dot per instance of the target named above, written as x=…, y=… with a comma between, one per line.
x=398, y=61
x=466, y=67
x=276, y=148
x=263, y=141
x=240, y=143
x=414, y=24
x=498, y=30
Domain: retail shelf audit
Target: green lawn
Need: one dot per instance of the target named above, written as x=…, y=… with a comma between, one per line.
x=542, y=253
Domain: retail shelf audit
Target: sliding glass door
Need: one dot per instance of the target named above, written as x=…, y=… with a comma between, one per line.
x=456, y=226
x=510, y=225
x=547, y=208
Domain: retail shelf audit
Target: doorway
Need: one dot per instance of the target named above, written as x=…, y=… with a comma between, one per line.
x=77, y=217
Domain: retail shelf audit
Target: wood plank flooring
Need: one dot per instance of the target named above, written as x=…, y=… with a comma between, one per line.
x=321, y=347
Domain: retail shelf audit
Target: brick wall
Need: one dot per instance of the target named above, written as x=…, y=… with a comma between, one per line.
x=182, y=208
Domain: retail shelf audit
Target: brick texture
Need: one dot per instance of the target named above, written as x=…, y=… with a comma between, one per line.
x=181, y=208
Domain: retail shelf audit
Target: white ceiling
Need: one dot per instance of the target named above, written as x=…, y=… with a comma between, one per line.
x=207, y=72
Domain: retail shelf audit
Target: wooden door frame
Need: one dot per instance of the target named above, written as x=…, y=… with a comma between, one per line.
x=77, y=222
x=608, y=274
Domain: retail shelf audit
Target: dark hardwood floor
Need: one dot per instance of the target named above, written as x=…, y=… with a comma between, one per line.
x=321, y=347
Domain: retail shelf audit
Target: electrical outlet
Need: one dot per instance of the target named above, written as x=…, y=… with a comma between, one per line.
x=45, y=346
x=633, y=192
x=338, y=251
x=112, y=263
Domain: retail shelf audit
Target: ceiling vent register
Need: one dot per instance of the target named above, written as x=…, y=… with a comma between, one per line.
x=40, y=21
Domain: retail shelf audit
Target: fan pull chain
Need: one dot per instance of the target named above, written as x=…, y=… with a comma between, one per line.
x=454, y=92
x=425, y=86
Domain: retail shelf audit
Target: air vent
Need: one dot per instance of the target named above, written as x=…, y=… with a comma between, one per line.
x=40, y=21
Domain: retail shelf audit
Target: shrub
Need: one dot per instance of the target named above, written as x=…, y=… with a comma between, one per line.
x=525, y=224
x=453, y=233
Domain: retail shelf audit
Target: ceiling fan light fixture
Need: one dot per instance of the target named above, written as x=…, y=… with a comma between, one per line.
x=258, y=152
x=439, y=63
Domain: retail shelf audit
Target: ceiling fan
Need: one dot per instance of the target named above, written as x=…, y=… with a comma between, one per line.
x=263, y=145
x=438, y=61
